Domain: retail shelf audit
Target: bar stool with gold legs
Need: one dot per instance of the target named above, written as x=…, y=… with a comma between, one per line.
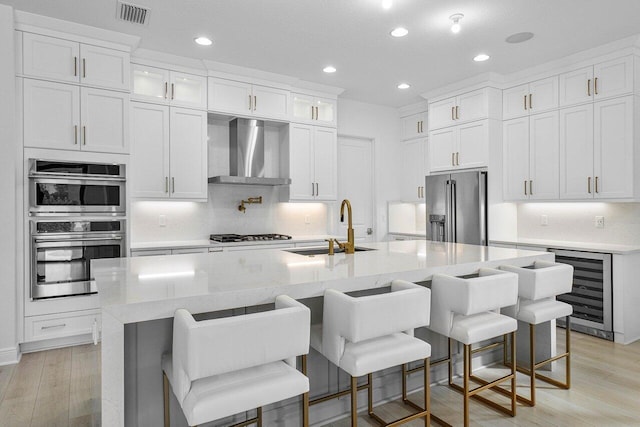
x=222, y=367
x=465, y=310
x=539, y=284
x=366, y=334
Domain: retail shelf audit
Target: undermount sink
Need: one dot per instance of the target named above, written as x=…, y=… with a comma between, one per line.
x=323, y=251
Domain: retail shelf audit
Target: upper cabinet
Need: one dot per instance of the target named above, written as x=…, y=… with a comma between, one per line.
x=313, y=109
x=530, y=98
x=248, y=100
x=459, y=147
x=475, y=105
x=413, y=126
x=600, y=81
x=173, y=88
x=68, y=61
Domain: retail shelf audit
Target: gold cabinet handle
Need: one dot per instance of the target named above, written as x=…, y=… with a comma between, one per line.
x=596, y=176
x=589, y=87
x=525, y=187
x=166, y=184
x=255, y=103
x=75, y=66
x=595, y=90
x=312, y=112
x=173, y=184
x=417, y=127
x=313, y=189
x=530, y=102
x=84, y=68
x=457, y=158
x=589, y=185
x=173, y=91
x=457, y=116
x=317, y=189
x=453, y=117
x=453, y=159
x=525, y=102
x=84, y=135
x=531, y=188
x=166, y=89
x=75, y=135
x=250, y=103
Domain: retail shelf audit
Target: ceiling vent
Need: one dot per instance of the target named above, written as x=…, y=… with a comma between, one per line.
x=132, y=13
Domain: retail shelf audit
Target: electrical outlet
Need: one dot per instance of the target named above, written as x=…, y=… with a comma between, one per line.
x=599, y=222
x=307, y=219
x=544, y=220
x=162, y=220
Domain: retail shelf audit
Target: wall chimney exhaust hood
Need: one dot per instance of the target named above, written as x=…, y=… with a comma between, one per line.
x=246, y=155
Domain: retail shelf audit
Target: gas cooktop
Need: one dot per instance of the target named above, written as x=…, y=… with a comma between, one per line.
x=224, y=238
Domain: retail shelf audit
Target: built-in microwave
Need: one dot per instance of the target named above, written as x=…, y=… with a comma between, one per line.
x=59, y=187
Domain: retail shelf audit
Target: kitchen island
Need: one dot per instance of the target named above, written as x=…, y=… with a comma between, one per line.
x=140, y=295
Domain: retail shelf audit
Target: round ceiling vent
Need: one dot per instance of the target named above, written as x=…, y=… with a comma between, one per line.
x=519, y=37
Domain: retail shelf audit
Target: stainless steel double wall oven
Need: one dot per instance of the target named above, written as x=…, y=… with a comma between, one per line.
x=77, y=214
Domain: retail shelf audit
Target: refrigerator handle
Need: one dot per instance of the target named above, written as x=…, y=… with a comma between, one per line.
x=452, y=206
x=447, y=214
x=482, y=187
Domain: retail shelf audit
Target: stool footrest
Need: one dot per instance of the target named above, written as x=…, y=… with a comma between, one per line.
x=336, y=395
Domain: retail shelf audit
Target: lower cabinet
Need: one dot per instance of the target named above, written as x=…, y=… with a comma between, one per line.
x=63, y=325
x=169, y=152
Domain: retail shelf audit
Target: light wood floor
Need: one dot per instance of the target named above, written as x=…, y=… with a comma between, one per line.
x=62, y=388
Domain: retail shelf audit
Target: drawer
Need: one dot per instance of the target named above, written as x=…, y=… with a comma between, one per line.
x=150, y=252
x=189, y=251
x=62, y=325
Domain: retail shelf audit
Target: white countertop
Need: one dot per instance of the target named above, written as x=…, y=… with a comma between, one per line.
x=205, y=243
x=581, y=246
x=146, y=288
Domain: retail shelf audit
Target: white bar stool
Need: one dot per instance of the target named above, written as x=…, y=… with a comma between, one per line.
x=465, y=310
x=226, y=366
x=366, y=334
x=539, y=284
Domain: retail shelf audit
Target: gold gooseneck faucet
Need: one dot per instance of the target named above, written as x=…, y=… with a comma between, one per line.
x=349, y=246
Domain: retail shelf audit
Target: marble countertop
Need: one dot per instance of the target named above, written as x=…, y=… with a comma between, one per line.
x=146, y=288
x=204, y=243
x=581, y=246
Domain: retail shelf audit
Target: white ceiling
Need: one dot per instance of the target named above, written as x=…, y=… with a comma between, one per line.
x=300, y=37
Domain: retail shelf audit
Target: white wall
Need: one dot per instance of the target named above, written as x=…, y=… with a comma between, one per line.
x=575, y=222
x=8, y=185
x=382, y=124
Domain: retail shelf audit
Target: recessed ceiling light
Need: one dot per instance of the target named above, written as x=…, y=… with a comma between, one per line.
x=386, y=4
x=519, y=37
x=399, y=32
x=203, y=41
x=455, y=19
x=481, y=57
x=404, y=86
x=329, y=69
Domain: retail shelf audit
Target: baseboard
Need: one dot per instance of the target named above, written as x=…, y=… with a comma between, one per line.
x=10, y=355
x=30, y=347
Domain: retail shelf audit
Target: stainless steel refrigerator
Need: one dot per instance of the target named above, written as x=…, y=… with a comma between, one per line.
x=456, y=206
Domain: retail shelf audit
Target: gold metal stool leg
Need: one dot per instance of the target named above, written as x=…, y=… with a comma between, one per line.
x=165, y=392
x=305, y=397
x=354, y=402
x=465, y=382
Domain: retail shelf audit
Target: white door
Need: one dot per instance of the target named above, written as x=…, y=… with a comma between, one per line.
x=229, y=96
x=576, y=152
x=51, y=115
x=301, y=162
x=576, y=86
x=472, y=106
x=514, y=102
x=188, y=153
x=105, y=120
x=613, y=148
x=413, y=170
x=544, y=146
x=188, y=90
x=442, y=113
x=441, y=149
x=149, y=150
x=104, y=67
x=149, y=84
x=50, y=58
x=544, y=95
x=355, y=174
x=473, y=145
x=270, y=102
x=515, y=135
x=613, y=78
x=325, y=163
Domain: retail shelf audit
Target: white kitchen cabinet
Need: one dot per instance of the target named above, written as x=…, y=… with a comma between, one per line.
x=63, y=325
x=576, y=152
x=314, y=109
x=459, y=147
x=442, y=147
x=168, y=87
x=310, y=160
x=442, y=113
x=414, y=169
x=531, y=167
x=600, y=81
x=73, y=62
x=467, y=107
x=64, y=116
x=246, y=99
x=189, y=251
x=413, y=126
x=530, y=98
x=150, y=252
x=169, y=152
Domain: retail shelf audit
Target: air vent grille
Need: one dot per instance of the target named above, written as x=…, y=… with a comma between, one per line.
x=131, y=13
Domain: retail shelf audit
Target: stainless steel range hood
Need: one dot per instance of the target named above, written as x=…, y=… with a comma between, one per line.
x=246, y=155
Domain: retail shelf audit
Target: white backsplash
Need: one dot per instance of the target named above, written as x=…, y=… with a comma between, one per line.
x=575, y=222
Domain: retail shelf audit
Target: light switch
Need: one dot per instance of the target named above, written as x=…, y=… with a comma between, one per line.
x=544, y=220
x=599, y=222
x=307, y=219
x=162, y=220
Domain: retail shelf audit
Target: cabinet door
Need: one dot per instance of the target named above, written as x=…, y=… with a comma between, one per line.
x=613, y=148
x=301, y=162
x=412, y=126
x=51, y=115
x=149, y=150
x=303, y=107
x=472, y=106
x=104, y=67
x=473, y=145
x=413, y=170
x=150, y=84
x=441, y=149
x=544, y=95
x=515, y=134
x=441, y=113
x=228, y=96
x=188, y=153
x=613, y=78
x=514, y=102
x=50, y=58
x=576, y=152
x=576, y=86
x=326, y=163
x=544, y=148
x=188, y=90
x=270, y=102
x=105, y=120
